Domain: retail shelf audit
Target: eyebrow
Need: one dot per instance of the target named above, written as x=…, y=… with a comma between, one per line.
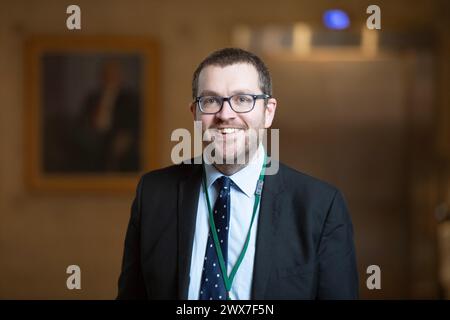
x=213, y=93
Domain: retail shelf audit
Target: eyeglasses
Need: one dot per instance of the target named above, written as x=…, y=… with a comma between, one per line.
x=240, y=103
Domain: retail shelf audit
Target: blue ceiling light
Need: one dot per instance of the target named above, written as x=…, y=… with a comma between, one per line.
x=336, y=19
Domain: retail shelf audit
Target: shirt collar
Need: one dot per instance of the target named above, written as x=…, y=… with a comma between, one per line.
x=245, y=179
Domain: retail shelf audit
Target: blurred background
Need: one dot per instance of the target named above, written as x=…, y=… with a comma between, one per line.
x=367, y=110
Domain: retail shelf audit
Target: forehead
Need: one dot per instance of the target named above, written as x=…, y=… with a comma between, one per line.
x=232, y=78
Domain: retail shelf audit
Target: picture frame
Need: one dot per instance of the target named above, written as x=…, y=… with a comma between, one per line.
x=91, y=112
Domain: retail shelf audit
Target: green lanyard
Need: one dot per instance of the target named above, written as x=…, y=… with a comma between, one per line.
x=229, y=280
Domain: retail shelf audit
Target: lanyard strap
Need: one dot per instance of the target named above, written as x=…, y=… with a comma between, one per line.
x=229, y=280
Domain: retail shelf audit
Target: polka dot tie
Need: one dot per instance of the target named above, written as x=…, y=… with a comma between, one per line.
x=212, y=285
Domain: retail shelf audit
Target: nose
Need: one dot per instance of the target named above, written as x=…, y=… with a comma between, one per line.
x=226, y=112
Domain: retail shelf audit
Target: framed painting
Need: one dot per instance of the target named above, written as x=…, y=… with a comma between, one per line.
x=91, y=113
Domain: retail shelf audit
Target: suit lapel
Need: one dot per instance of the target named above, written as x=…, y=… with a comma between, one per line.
x=267, y=226
x=188, y=193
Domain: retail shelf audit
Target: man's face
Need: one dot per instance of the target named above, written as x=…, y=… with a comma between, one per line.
x=240, y=78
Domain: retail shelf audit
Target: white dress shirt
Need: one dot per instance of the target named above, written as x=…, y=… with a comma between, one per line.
x=242, y=198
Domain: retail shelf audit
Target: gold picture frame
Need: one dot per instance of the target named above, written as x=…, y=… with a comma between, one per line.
x=91, y=112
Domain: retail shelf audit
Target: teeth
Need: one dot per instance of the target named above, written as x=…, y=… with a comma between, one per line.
x=228, y=130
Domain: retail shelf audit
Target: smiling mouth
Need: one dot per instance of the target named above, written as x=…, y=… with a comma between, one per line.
x=228, y=130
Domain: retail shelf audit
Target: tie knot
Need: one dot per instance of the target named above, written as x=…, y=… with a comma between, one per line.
x=223, y=182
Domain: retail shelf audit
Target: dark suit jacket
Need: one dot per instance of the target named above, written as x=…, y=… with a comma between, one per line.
x=304, y=244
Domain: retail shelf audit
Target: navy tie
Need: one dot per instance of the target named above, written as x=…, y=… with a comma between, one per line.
x=212, y=286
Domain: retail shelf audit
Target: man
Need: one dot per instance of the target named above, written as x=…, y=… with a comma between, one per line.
x=107, y=133
x=224, y=229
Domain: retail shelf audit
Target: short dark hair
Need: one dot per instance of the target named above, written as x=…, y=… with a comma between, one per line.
x=229, y=56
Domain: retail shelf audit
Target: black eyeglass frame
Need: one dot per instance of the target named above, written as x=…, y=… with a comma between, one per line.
x=223, y=99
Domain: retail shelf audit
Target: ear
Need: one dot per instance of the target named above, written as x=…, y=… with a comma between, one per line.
x=193, y=108
x=270, y=112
